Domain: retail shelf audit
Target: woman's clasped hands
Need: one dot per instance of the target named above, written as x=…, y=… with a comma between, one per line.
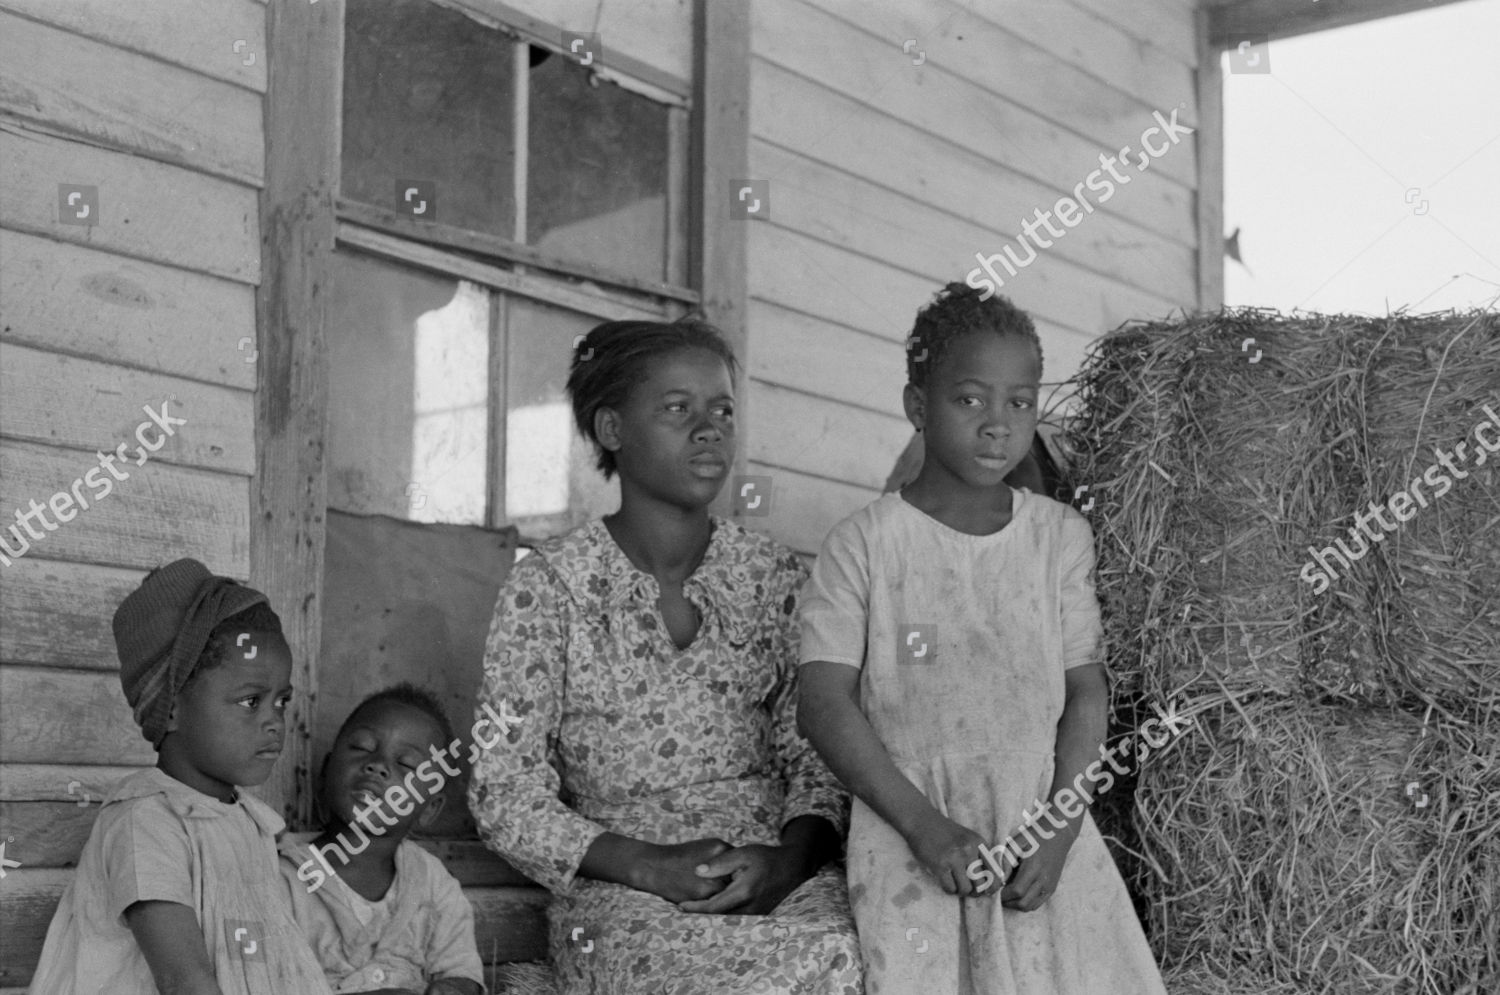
x=710, y=876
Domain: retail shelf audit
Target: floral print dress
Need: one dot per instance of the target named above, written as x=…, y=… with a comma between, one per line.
x=622, y=731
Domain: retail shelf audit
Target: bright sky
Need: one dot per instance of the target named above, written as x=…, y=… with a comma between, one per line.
x=1321, y=153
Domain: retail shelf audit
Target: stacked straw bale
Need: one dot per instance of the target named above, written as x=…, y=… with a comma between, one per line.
x=1331, y=823
x=1339, y=847
x=1434, y=587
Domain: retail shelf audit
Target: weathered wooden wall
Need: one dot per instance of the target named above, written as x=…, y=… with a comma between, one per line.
x=887, y=177
x=158, y=105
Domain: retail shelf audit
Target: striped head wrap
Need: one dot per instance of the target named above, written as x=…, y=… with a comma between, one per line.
x=161, y=629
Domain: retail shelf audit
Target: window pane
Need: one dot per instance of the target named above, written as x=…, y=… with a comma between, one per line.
x=597, y=186
x=428, y=99
x=408, y=385
x=550, y=480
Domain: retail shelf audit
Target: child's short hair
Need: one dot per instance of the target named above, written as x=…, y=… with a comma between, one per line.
x=612, y=358
x=257, y=618
x=955, y=311
x=407, y=693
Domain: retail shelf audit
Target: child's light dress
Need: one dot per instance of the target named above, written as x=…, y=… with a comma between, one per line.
x=420, y=931
x=157, y=839
x=963, y=641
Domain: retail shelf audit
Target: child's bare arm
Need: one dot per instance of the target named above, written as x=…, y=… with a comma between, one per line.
x=1080, y=733
x=828, y=714
x=171, y=939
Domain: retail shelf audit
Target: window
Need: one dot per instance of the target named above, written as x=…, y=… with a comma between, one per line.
x=408, y=380
x=498, y=198
x=429, y=97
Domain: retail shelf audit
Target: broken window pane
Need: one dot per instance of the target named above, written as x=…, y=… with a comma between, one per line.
x=598, y=177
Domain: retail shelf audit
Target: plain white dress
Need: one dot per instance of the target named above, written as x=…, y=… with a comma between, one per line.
x=963, y=642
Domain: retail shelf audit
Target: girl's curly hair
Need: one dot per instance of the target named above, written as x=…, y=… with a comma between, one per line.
x=955, y=311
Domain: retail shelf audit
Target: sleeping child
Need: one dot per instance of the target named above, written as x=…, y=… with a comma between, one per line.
x=391, y=918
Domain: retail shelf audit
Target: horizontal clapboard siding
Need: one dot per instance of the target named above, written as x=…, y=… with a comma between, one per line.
x=801, y=351
x=907, y=155
x=802, y=274
x=158, y=104
x=58, y=614
x=804, y=507
x=147, y=209
x=1164, y=25
x=1017, y=50
x=1051, y=288
x=970, y=102
x=50, y=715
x=156, y=514
x=129, y=101
x=839, y=442
x=889, y=179
x=188, y=33
x=825, y=202
x=91, y=405
x=1071, y=38
x=81, y=301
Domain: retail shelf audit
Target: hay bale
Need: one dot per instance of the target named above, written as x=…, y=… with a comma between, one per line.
x=1277, y=847
x=1202, y=978
x=1203, y=469
x=1213, y=476
x=1334, y=848
x=524, y=978
x=1426, y=596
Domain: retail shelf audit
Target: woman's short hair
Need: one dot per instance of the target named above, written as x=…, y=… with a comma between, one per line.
x=610, y=360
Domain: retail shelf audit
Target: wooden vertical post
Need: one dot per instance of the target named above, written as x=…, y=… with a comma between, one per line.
x=1210, y=139
x=720, y=155
x=289, y=490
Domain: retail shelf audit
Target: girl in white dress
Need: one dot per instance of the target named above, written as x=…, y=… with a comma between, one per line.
x=952, y=678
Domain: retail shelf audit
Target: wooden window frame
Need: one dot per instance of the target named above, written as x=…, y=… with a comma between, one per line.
x=301, y=225
x=630, y=74
x=1209, y=84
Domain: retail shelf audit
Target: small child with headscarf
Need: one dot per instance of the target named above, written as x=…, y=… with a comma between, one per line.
x=177, y=888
